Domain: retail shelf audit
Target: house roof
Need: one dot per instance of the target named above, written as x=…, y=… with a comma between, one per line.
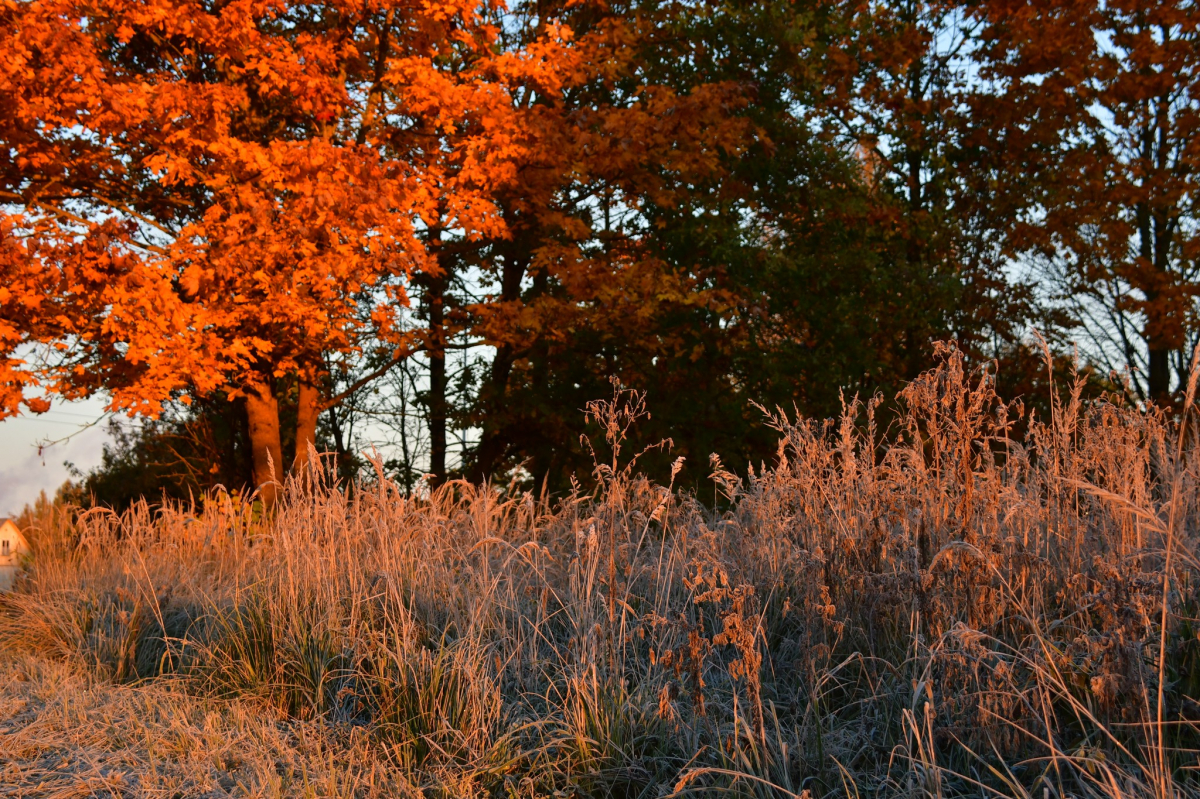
x=20, y=536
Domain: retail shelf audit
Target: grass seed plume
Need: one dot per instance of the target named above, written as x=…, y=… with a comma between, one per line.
x=943, y=608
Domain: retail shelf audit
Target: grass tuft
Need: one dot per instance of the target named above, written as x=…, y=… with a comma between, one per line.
x=942, y=609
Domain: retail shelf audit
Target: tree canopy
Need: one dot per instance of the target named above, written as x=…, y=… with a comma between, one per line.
x=278, y=218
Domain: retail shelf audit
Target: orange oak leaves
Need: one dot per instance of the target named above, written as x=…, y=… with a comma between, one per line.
x=210, y=198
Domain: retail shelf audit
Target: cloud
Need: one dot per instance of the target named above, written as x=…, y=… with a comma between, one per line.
x=25, y=472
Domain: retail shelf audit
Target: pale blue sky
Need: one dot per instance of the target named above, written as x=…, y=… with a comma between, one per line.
x=24, y=471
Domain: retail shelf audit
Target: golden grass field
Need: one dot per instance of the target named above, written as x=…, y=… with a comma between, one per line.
x=940, y=609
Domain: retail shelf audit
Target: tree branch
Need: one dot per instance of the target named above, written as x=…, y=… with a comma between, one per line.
x=401, y=354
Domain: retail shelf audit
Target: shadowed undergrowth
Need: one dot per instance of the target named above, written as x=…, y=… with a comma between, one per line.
x=938, y=610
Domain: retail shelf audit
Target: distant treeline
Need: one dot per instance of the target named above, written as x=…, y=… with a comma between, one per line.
x=269, y=223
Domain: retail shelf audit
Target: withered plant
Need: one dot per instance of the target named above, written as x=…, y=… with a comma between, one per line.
x=940, y=608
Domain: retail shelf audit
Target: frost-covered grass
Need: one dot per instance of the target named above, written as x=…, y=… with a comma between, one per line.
x=941, y=610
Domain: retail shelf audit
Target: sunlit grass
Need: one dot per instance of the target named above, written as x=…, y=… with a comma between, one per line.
x=944, y=610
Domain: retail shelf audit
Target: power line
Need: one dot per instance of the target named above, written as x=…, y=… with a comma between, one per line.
x=54, y=421
x=88, y=416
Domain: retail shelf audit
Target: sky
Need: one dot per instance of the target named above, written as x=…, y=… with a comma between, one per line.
x=30, y=463
x=34, y=448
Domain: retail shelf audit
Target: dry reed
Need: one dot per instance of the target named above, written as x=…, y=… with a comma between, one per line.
x=940, y=609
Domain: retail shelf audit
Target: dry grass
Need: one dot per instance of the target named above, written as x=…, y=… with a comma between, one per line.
x=939, y=611
x=66, y=734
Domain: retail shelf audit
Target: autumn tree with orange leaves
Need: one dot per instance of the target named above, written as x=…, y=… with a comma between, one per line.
x=1100, y=105
x=580, y=290
x=271, y=210
x=775, y=204
x=229, y=198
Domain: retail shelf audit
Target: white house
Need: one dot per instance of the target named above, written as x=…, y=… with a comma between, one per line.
x=13, y=550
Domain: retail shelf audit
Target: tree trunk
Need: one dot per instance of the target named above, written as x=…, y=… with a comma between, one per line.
x=262, y=411
x=492, y=442
x=307, y=411
x=340, y=442
x=1157, y=228
x=1163, y=333
x=437, y=379
x=1159, y=377
x=494, y=395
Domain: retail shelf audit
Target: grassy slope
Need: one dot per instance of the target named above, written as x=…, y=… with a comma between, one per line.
x=954, y=610
x=65, y=733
